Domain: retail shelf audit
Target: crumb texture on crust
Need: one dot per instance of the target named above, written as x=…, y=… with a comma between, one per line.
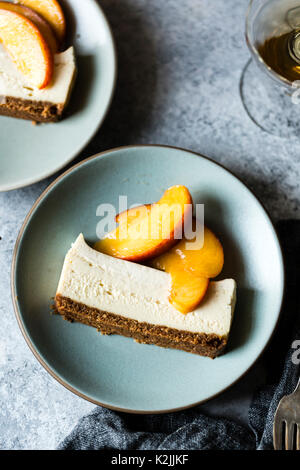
x=38, y=111
x=204, y=344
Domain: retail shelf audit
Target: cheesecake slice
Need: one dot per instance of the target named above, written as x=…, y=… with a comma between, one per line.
x=125, y=298
x=19, y=99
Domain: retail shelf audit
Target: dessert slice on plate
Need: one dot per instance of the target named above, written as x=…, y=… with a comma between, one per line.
x=121, y=297
x=35, y=80
x=171, y=304
x=19, y=99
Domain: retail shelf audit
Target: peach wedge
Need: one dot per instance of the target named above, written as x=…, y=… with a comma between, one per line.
x=27, y=48
x=187, y=290
x=151, y=232
x=131, y=214
x=203, y=260
x=38, y=20
x=52, y=12
x=191, y=266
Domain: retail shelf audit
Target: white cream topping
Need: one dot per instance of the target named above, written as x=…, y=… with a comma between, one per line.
x=140, y=293
x=14, y=84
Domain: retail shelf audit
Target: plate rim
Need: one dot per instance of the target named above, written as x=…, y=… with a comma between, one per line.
x=47, y=174
x=18, y=314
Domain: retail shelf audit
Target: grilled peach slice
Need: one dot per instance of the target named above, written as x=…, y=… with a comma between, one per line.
x=191, y=267
x=205, y=258
x=27, y=48
x=52, y=12
x=38, y=20
x=191, y=263
x=187, y=290
x=152, y=233
x=131, y=214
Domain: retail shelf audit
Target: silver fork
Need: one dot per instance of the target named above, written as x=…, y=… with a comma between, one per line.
x=286, y=427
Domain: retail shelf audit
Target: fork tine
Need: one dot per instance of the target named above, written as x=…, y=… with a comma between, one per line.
x=277, y=432
x=298, y=437
x=289, y=435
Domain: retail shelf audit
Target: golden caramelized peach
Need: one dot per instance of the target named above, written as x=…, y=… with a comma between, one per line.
x=187, y=290
x=203, y=256
x=38, y=20
x=27, y=47
x=131, y=214
x=191, y=263
x=52, y=12
x=155, y=230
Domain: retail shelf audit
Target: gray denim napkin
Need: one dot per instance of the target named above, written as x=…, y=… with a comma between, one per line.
x=191, y=429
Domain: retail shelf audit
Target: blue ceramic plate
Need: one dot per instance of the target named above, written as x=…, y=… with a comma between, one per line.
x=115, y=371
x=32, y=153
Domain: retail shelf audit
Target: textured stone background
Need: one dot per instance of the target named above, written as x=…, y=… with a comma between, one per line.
x=180, y=65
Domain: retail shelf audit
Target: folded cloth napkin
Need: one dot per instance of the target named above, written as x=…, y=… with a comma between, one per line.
x=191, y=429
